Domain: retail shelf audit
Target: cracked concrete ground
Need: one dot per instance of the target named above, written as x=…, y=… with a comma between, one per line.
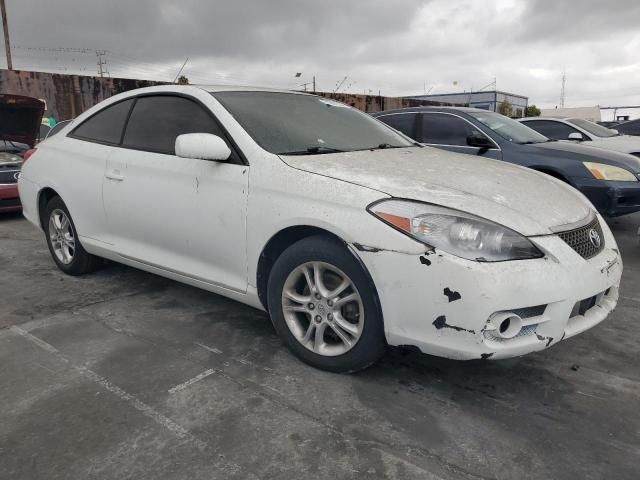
x=123, y=374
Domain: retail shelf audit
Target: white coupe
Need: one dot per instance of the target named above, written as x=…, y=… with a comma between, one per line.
x=351, y=236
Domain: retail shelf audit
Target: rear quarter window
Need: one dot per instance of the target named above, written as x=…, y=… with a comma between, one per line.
x=106, y=126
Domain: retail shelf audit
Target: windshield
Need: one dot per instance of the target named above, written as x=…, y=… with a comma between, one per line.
x=592, y=128
x=509, y=129
x=289, y=123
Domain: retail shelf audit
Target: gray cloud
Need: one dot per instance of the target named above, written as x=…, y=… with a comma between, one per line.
x=394, y=46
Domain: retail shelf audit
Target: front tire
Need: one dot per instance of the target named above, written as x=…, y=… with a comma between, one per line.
x=63, y=242
x=324, y=306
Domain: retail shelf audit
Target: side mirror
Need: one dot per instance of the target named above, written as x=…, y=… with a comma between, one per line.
x=576, y=136
x=202, y=146
x=479, y=141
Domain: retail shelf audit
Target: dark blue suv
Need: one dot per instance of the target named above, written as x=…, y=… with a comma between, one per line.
x=610, y=180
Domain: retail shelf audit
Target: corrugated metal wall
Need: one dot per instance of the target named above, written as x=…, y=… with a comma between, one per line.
x=67, y=96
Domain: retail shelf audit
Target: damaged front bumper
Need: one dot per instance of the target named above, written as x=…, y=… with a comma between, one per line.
x=447, y=306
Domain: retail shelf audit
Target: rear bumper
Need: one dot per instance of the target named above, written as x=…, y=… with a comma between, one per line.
x=444, y=305
x=611, y=198
x=9, y=198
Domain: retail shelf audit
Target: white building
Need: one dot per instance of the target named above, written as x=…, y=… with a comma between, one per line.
x=586, y=113
x=620, y=113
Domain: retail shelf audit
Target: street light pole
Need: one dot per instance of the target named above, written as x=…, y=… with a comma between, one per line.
x=5, y=27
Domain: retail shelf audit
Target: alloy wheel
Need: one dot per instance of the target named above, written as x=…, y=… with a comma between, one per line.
x=323, y=308
x=62, y=237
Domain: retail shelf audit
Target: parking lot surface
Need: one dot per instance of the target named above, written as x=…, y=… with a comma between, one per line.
x=122, y=374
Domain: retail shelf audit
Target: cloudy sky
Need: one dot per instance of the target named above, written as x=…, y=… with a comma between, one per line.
x=398, y=47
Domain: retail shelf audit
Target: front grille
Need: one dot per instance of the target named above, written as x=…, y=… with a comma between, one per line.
x=583, y=306
x=580, y=239
x=9, y=176
x=526, y=331
x=530, y=312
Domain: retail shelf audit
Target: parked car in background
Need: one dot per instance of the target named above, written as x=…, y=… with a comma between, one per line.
x=580, y=130
x=10, y=165
x=609, y=179
x=349, y=234
x=611, y=124
x=19, y=127
x=632, y=127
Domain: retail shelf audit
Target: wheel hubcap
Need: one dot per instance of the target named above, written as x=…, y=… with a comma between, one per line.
x=323, y=308
x=61, y=235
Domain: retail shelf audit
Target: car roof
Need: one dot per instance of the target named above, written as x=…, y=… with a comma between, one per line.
x=431, y=109
x=170, y=87
x=554, y=119
x=244, y=88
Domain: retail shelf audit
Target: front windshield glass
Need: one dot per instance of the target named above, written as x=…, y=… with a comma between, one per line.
x=509, y=129
x=592, y=128
x=293, y=124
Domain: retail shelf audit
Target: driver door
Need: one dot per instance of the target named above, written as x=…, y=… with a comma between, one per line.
x=183, y=215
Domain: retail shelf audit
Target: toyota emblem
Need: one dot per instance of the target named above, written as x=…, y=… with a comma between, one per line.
x=594, y=237
x=16, y=176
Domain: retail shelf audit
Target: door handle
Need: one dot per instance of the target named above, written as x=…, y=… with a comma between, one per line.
x=114, y=175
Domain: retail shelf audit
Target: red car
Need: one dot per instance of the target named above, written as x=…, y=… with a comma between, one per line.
x=20, y=119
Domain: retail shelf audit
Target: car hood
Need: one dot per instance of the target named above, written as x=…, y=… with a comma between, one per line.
x=20, y=118
x=587, y=153
x=526, y=201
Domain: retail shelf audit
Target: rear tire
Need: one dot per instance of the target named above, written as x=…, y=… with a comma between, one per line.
x=63, y=242
x=324, y=306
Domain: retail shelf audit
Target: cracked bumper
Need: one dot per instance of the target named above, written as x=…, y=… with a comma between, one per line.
x=441, y=303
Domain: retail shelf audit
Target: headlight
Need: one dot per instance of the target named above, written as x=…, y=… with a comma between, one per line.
x=609, y=172
x=455, y=232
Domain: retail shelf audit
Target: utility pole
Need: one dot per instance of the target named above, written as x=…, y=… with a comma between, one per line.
x=5, y=28
x=562, y=91
x=314, y=84
x=102, y=62
x=175, y=80
x=340, y=84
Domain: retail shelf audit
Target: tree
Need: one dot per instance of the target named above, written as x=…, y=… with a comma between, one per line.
x=505, y=108
x=532, y=111
x=183, y=80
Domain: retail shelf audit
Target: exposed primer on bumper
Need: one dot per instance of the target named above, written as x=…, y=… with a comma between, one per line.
x=442, y=304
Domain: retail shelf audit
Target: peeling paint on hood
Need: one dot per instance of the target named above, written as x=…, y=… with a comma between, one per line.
x=526, y=201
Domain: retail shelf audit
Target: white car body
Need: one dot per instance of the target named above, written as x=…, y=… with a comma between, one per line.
x=207, y=224
x=617, y=143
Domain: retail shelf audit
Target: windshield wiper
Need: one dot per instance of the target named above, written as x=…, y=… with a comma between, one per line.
x=313, y=150
x=529, y=142
x=383, y=146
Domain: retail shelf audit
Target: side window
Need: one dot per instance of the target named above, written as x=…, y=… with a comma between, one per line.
x=441, y=129
x=105, y=126
x=551, y=129
x=403, y=122
x=156, y=121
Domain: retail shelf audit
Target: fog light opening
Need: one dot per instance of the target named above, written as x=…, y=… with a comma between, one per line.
x=507, y=325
